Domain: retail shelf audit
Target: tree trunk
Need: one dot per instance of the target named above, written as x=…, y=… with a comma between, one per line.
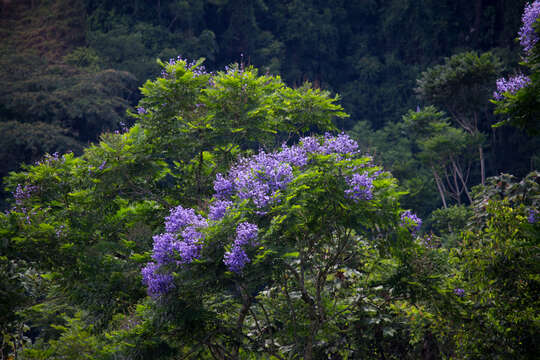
x=482, y=164
x=439, y=186
x=460, y=175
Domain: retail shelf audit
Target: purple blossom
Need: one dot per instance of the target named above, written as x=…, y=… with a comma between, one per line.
x=180, y=244
x=527, y=34
x=511, y=86
x=531, y=218
x=141, y=110
x=223, y=187
x=410, y=221
x=164, y=246
x=236, y=259
x=190, y=248
x=170, y=70
x=361, y=187
x=311, y=144
x=158, y=284
x=102, y=166
x=24, y=193
x=260, y=177
x=180, y=217
x=341, y=144
x=294, y=155
x=245, y=233
x=218, y=209
x=48, y=159
x=459, y=292
x=428, y=241
x=60, y=231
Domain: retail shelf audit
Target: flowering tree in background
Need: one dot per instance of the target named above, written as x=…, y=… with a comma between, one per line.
x=517, y=98
x=277, y=264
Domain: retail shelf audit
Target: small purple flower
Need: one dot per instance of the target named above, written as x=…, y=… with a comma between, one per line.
x=410, y=221
x=428, y=242
x=24, y=193
x=236, y=259
x=310, y=144
x=223, y=187
x=158, y=284
x=180, y=217
x=190, y=248
x=459, y=292
x=511, y=86
x=170, y=70
x=218, y=209
x=258, y=178
x=141, y=110
x=361, y=187
x=245, y=233
x=531, y=218
x=102, y=166
x=164, y=246
x=341, y=144
x=294, y=155
x=60, y=231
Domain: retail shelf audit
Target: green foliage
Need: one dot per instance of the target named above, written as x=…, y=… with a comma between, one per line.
x=462, y=86
x=499, y=272
x=88, y=218
x=395, y=148
x=76, y=341
x=202, y=121
x=449, y=223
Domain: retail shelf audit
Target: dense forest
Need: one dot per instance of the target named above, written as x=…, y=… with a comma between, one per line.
x=256, y=179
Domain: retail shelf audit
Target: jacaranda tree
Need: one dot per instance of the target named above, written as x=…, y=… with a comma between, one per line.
x=282, y=261
x=84, y=223
x=517, y=96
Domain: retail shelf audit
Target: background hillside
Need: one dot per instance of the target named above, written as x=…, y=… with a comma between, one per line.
x=71, y=68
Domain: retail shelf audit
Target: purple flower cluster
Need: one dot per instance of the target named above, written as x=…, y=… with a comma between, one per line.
x=181, y=243
x=260, y=177
x=341, y=144
x=157, y=283
x=511, y=86
x=180, y=218
x=102, y=166
x=410, y=221
x=531, y=218
x=527, y=35
x=459, y=292
x=50, y=158
x=236, y=258
x=429, y=242
x=218, y=209
x=361, y=187
x=23, y=193
x=141, y=110
x=196, y=70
